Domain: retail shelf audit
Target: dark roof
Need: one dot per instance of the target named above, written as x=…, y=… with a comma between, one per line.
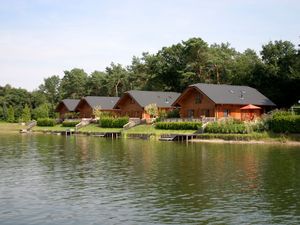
x=160, y=98
x=104, y=102
x=70, y=104
x=232, y=94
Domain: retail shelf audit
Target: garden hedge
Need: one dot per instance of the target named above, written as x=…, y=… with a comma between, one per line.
x=46, y=122
x=285, y=123
x=70, y=123
x=110, y=122
x=226, y=128
x=178, y=125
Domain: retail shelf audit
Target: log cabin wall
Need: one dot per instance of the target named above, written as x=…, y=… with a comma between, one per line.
x=228, y=110
x=195, y=104
x=62, y=111
x=129, y=107
x=84, y=109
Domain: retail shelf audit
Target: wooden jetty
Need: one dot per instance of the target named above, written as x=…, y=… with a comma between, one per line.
x=139, y=136
x=177, y=137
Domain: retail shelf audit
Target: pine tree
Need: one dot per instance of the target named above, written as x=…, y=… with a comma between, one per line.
x=26, y=116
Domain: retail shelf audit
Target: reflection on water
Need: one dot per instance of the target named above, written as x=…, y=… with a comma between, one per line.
x=48, y=179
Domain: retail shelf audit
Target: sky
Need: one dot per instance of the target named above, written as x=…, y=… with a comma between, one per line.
x=41, y=38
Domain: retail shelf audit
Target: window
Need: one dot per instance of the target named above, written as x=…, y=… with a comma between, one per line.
x=198, y=99
x=205, y=112
x=190, y=113
x=226, y=112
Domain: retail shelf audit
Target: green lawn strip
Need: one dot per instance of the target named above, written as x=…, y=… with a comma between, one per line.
x=96, y=128
x=54, y=128
x=10, y=127
x=150, y=129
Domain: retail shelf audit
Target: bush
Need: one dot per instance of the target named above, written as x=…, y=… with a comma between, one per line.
x=70, y=123
x=71, y=115
x=173, y=114
x=284, y=123
x=41, y=112
x=226, y=127
x=11, y=115
x=45, y=122
x=26, y=116
x=178, y=125
x=110, y=122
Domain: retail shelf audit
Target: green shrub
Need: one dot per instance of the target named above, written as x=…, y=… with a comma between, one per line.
x=173, y=114
x=71, y=115
x=284, y=123
x=226, y=127
x=10, y=114
x=280, y=113
x=110, y=122
x=70, y=123
x=178, y=125
x=41, y=111
x=45, y=122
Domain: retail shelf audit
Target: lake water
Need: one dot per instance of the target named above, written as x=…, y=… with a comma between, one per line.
x=53, y=180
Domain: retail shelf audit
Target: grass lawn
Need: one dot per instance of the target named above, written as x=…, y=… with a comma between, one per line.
x=54, y=128
x=10, y=127
x=89, y=128
x=150, y=129
x=96, y=128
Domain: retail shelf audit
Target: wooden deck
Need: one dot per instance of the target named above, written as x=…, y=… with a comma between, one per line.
x=177, y=137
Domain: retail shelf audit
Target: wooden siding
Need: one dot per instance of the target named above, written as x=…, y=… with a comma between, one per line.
x=189, y=103
x=129, y=107
x=62, y=110
x=191, y=106
x=86, y=111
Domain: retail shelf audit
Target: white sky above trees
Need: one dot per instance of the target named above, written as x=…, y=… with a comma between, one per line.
x=40, y=38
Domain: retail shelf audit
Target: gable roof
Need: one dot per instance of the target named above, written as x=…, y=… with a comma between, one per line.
x=70, y=104
x=102, y=101
x=233, y=94
x=160, y=98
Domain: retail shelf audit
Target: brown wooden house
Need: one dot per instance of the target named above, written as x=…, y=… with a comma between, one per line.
x=66, y=106
x=215, y=100
x=87, y=105
x=133, y=103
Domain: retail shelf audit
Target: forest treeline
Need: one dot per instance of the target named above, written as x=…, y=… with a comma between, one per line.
x=275, y=72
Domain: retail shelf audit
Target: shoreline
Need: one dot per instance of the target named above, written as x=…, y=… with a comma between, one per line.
x=268, y=142
x=147, y=134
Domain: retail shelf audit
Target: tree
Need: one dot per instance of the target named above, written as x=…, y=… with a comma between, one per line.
x=117, y=79
x=4, y=108
x=74, y=83
x=246, y=64
x=38, y=98
x=280, y=60
x=10, y=114
x=97, y=84
x=26, y=116
x=196, y=55
x=97, y=112
x=51, y=89
x=41, y=112
x=152, y=110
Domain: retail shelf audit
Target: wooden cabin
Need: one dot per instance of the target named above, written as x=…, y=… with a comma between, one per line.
x=133, y=103
x=87, y=105
x=215, y=100
x=66, y=106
